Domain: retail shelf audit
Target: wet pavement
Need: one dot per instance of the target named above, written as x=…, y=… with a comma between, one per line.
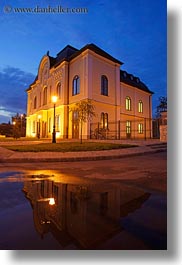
x=85, y=205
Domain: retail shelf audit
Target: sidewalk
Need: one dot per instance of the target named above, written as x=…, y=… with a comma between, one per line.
x=144, y=147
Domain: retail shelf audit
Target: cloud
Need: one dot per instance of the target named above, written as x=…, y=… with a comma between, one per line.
x=13, y=83
x=5, y=113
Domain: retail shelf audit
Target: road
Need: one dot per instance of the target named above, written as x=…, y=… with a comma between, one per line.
x=108, y=204
x=147, y=171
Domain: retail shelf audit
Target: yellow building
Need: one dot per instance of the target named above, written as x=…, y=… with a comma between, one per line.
x=122, y=102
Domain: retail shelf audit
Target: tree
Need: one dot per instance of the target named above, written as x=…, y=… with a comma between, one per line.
x=16, y=131
x=19, y=122
x=83, y=111
x=162, y=106
x=6, y=129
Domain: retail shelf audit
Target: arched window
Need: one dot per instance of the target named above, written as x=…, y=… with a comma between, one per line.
x=45, y=96
x=40, y=99
x=76, y=85
x=128, y=103
x=140, y=128
x=58, y=90
x=30, y=107
x=104, y=120
x=50, y=92
x=35, y=103
x=104, y=85
x=140, y=106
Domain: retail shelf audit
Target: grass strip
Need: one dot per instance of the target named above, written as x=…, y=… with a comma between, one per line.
x=67, y=147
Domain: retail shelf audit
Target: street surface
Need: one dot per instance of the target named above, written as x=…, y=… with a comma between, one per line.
x=106, y=204
x=148, y=171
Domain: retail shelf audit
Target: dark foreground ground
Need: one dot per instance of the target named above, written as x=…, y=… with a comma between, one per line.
x=110, y=204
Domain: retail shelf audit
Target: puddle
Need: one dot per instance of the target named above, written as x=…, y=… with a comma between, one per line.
x=53, y=211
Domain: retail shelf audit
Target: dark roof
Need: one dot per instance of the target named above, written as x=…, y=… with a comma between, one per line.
x=69, y=53
x=66, y=52
x=52, y=61
x=97, y=50
x=133, y=81
x=65, y=55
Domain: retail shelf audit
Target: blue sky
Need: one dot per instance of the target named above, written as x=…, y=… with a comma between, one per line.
x=133, y=31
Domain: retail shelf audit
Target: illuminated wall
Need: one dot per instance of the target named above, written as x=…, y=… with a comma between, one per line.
x=88, y=68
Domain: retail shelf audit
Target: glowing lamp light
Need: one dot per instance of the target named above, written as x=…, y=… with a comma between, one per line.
x=51, y=201
x=54, y=99
x=58, y=134
x=33, y=134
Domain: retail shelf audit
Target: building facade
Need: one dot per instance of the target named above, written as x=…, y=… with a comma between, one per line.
x=122, y=102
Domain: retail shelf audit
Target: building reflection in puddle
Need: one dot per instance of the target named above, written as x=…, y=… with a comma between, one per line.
x=85, y=214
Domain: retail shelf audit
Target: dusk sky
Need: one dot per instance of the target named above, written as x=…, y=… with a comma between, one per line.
x=133, y=31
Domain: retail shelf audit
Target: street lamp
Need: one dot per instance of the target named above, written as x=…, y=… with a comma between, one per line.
x=38, y=133
x=54, y=100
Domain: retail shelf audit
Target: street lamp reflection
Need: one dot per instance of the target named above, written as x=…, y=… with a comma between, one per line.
x=51, y=201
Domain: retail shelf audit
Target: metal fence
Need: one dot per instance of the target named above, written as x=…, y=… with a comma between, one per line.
x=129, y=129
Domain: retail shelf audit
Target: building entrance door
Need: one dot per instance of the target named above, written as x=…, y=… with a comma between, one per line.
x=75, y=130
x=38, y=130
x=75, y=125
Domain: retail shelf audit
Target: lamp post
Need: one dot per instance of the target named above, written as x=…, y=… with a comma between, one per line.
x=38, y=133
x=21, y=117
x=54, y=100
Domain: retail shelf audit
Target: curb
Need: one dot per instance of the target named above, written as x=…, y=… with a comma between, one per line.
x=77, y=159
